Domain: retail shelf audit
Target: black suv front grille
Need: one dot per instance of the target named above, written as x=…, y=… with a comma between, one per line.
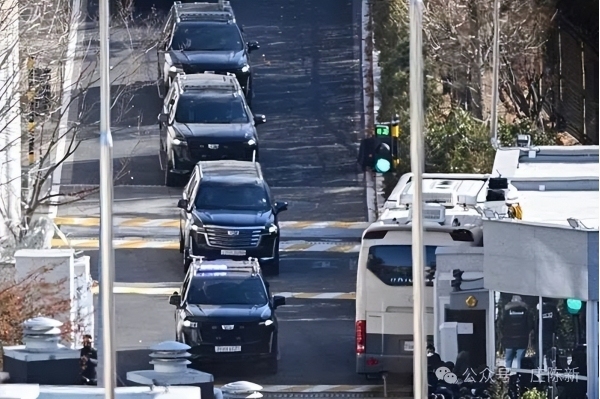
x=232, y=333
x=232, y=237
x=200, y=150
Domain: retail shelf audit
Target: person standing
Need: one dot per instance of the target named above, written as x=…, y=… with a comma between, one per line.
x=89, y=361
x=516, y=331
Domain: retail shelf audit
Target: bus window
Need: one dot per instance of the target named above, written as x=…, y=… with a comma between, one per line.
x=392, y=264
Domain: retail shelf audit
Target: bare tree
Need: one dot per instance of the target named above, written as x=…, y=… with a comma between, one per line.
x=50, y=93
x=460, y=37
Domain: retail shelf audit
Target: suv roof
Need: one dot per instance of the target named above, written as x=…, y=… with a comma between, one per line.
x=209, y=81
x=231, y=170
x=220, y=11
x=200, y=265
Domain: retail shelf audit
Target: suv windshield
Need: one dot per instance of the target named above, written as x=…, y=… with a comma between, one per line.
x=227, y=291
x=215, y=109
x=244, y=197
x=207, y=37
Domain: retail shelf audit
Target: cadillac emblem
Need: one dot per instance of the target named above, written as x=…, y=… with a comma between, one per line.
x=233, y=232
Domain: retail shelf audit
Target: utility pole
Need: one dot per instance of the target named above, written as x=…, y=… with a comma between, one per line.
x=10, y=119
x=107, y=254
x=495, y=72
x=417, y=160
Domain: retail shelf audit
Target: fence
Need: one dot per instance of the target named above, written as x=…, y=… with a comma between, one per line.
x=573, y=67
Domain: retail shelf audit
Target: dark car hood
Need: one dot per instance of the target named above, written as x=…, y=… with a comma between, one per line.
x=233, y=218
x=210, y=60
x=230, y=313
x=220, y=132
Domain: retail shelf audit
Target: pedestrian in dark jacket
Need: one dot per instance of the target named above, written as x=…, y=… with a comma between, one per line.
x=516, y=331
x=433, y=359
x=89, y=360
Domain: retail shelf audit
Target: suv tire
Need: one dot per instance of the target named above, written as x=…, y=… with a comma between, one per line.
x=171, y=179
x=272, y=365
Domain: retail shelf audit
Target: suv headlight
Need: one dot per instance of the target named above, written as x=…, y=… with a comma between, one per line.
x=245, y=68
x=271, y=229
x=190, y=324
x=267, y=323
x=251, y=142
x=197, y=229
x=179, y=140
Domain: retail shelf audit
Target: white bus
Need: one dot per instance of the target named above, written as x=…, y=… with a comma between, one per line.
x=384, y=300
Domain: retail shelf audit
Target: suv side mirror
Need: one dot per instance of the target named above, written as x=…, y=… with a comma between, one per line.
x=278, y=301
x=253, y=45
x=259, y=119
x=175, y=299
x=182, y=204
x=280, y=206
x=163, y=118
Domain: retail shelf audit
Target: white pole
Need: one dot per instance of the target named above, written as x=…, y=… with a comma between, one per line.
x=107, y=254
x=417, y=166
x=591, y=326
x=10, y=118
x=540, y=336
x=495, y=68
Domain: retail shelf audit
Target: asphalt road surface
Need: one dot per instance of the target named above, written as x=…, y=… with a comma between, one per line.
x=307, y=82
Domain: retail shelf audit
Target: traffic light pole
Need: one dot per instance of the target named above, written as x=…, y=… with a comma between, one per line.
x=417, y=166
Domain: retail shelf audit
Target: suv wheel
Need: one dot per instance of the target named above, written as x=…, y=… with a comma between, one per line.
x=271, y=267
x=187, y=261
x=272, y=365
x=171, y=179
x=181, y=243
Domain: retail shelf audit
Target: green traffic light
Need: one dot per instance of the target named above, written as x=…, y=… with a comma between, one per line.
x=382, y=130
x=382, y=166
x=574, y=305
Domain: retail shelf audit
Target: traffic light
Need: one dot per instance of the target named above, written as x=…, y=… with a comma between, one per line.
x=457, y=280
x=573, y=305
x=383, y=159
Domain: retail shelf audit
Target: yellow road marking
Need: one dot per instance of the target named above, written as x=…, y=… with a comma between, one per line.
x=340, y=248
x=298, y=247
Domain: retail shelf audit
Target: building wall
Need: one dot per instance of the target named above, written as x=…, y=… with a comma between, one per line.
x=536, y=259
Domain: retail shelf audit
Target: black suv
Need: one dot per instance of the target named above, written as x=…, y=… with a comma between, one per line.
x=227, y=212
x=225, y=312
x=205, y=117
x=200, y=37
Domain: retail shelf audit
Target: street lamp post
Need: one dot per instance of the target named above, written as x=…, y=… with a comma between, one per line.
x=417, y=166
x=107, y=254
x=495, y=72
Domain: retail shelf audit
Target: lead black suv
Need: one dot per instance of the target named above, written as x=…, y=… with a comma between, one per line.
x=225, y=312
x=201, y=37
x=205, y=117
x=227, y=212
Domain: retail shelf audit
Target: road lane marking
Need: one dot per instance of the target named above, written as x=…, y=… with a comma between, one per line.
x=141, y=243
x=174, y=223
x=168, y=290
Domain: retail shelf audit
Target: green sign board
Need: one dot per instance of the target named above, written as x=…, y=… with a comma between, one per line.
x=382, y=130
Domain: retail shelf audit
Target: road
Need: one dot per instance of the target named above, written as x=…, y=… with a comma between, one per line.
x=307, y=82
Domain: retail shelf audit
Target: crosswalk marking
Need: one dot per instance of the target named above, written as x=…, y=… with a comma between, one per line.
x=168, y=290
x=140, y=243
x=173, y=223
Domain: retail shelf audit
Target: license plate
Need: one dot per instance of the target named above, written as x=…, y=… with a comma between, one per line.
x=228, y=348
x=209, y=71
x=233, y=252
x=409, y=346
